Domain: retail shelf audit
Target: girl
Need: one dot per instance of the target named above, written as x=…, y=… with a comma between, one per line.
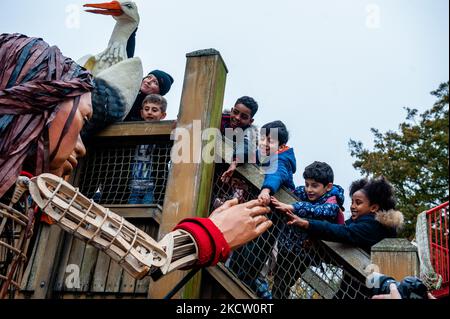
x=373, y=216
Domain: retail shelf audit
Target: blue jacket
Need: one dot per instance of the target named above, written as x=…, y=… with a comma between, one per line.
x=363, y=232
x=280, y=169
x=321, y=208
x=327, y=207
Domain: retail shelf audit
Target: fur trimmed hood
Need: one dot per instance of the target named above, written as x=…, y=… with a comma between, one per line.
x=391, y=218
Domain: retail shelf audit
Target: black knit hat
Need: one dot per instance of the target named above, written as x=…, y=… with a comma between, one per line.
x=164, y=80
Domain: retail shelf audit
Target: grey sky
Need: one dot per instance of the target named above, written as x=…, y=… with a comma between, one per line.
x=329, y=69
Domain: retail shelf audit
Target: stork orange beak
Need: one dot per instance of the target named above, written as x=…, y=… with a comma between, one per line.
x=112, y=8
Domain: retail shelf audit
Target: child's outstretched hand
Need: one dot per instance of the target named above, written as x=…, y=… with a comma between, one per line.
x=264, y=197
x=226, y=176
x=297, y=221
x=281, y=206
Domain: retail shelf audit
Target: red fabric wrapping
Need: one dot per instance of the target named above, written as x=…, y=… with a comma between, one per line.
x=212, y=246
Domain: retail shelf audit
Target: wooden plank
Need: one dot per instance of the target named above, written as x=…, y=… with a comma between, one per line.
x=137, y=129
x=65, y=254
x=75, y=259
x=318, y=284
x=231, y=284
x=201, y=108
x=46, y=271
x=27, y=274
x=142, y=285
x=351, y=256
x=88, y=267
x=114, y=277
x=41, y=243
x=100, y=273
x=396, y=257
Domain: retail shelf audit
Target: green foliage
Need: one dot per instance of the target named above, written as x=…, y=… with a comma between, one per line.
x=414, y=159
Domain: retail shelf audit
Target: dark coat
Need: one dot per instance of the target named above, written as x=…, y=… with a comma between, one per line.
x=363, y=232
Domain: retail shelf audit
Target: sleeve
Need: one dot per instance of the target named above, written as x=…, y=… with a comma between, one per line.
x=357, y=234
x=316, y=211
x=273, y=181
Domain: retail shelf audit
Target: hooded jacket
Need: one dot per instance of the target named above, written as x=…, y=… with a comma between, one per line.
x=328, y=207
x=364, y=232
x=279, y=170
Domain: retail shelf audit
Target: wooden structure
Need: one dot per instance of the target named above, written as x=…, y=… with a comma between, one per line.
x=396, y=257
x=62, y=266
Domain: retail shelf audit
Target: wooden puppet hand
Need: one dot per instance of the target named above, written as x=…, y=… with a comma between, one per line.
x=242, y=223
x=281, y=206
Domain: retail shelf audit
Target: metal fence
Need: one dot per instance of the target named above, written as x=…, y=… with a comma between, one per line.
x=129, y=174
x=306, y=269
x=437, y=219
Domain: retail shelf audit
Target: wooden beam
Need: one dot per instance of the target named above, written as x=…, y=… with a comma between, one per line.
x=231, y=284
x=134, y=129
x=190, y=182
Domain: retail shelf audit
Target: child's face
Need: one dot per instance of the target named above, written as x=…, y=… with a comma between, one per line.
x=268, y=145
x=314, y=190
x=361, y=205
x=150, y=85
x=241, y=116
x=152, y=112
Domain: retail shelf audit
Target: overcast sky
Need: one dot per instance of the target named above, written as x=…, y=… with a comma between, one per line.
x=329, y=69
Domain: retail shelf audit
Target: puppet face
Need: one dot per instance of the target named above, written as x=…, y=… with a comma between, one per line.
x=71, y=147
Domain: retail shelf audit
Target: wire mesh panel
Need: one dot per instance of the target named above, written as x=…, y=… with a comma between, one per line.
x=284, y=263
x=126, y=174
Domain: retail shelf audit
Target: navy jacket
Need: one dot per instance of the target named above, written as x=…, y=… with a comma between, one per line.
x=363, y=232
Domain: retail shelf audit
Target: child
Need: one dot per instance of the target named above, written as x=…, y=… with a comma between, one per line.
x=156, y=82
x=373, y=216
x=142, y=182
x=320, y=199
x=239, y=122
x=278, y=161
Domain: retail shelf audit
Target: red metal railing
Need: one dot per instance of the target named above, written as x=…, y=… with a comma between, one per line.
x=437, y=219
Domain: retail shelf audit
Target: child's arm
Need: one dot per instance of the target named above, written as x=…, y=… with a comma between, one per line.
x=327, y=210
x=273, y=181
x=281, y=206
x=226, y=176
x=362, y=234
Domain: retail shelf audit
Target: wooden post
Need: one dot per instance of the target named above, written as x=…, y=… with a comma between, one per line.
x=396, y=257
x=189, y=187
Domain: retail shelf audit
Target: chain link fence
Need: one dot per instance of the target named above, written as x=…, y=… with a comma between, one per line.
x=129, y=174
x=273, y=267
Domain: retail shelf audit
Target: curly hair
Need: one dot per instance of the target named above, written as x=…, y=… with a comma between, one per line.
x=248, y=102
x=378, y=190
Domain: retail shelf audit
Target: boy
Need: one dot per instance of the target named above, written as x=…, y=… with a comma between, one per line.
x=142, y=182
x=239, y=121
x=156, y=82
x=278, y=161
x=320, y=199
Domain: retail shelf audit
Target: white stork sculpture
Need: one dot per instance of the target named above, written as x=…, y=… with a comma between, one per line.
x=127, y=17
x=117, y=77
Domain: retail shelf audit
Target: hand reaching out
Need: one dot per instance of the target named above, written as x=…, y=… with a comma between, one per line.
x=264, y=197
x=226, y=176
x=242, y=223
x=281, y=206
